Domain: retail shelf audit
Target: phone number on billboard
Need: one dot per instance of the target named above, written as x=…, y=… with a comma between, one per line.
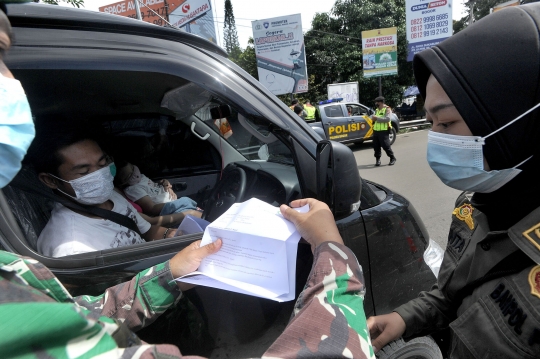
x=429, y=26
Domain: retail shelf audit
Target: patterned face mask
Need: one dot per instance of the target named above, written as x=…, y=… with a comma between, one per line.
x=94, y=188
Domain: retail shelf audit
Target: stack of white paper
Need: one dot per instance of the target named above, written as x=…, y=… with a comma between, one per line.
x=258, y=256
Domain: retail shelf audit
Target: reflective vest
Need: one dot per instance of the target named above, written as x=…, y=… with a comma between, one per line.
x=310, y=110
x=381, y=126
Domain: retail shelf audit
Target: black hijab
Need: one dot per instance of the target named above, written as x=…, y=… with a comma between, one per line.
x=491, y=72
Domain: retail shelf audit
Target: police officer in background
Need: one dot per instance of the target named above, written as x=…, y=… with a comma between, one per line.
x=488, y=287
x=381, y=131
x=310, y=111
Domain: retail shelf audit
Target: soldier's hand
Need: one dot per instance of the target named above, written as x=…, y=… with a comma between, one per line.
x=316, y=226
x=385, y=328
x=189, y=259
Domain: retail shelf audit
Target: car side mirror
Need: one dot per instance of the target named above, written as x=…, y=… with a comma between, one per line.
x=338, y=179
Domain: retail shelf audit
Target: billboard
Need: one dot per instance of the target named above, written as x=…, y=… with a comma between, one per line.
x=180, y=13
x=348, y=91
x=127, y=8
x=280, y=53
x=379, y=52
x=428, y=23
x=189, y=10
x=204, y=27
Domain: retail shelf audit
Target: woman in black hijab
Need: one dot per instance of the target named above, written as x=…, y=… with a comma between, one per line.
x=482, y=91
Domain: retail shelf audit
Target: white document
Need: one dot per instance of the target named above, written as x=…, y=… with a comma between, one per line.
x=258, y=255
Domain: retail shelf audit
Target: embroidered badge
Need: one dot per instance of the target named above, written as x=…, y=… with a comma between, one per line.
x=533, y=235
x=534, y=281
x=464, y=213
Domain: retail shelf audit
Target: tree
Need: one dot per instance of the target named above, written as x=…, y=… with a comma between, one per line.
x=481, y=8
x=334, y=48
x=246, y=59
x=232, y=46
x=76, y=3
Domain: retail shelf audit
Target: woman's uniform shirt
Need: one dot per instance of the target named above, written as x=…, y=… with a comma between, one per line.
x=487, y=291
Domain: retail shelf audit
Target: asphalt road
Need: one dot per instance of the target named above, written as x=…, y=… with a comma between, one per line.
x=412, y=177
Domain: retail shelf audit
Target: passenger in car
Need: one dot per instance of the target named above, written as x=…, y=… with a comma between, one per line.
x=72, y=163
x=155, y=199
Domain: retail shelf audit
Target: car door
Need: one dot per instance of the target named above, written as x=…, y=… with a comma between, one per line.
x=361, y=124
x=336, y=124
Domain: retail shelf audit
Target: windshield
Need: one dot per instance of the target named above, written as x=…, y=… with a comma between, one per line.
x=252, y=137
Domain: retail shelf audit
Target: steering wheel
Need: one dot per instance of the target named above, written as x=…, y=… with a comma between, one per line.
x=228, y=191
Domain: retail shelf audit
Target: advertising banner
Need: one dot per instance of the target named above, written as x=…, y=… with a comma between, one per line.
x=189, y=10
x=159, y=7
x=280, y=52
x=428, y=23
x=180, y=13
x=204, y=27
x=379, y=52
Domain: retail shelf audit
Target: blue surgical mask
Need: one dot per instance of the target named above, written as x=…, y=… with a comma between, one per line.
x=459, y=161
x=16, y=128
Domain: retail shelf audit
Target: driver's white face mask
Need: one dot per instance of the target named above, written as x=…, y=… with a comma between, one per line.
x=459, y=161
x=93, y=188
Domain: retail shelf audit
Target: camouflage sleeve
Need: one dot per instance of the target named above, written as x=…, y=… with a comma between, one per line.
x=328, y=319
x=138, y=302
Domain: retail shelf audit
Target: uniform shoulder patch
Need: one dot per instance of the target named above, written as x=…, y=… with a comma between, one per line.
x=533, y=235
x=464, y=213
x=534, y=281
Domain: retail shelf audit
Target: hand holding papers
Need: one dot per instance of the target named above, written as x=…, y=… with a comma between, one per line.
x=258, y=255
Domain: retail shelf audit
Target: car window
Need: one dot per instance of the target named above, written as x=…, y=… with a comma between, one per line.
x=252, y=138
x=333, y=111
x=357, y=110
x=160, y=146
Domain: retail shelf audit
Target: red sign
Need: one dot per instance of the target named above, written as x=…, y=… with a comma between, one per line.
x=150, y=9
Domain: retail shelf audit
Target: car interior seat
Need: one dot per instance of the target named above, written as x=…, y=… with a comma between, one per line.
x=31, y=211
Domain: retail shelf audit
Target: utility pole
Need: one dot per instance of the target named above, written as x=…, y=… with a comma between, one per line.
x=166, y=10
x=137, y=9
x=471, y=11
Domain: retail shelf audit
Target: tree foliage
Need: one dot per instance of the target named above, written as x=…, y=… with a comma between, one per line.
x=230, y=35
x=334, y=49
x=246, y=59
x=481, y=8
x=76, y=3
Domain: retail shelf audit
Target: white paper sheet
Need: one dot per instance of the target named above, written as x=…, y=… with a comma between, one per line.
x=191, y=225
x=258, y=256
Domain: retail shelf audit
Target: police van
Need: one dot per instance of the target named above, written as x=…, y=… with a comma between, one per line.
x=348, y=122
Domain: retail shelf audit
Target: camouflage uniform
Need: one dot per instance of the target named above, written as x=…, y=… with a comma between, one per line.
x=487, y=291
x=40, y=318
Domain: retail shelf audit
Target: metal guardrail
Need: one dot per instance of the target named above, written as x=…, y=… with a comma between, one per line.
x=414, y=123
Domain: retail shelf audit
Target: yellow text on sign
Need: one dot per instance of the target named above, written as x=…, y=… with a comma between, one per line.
x=342, y=129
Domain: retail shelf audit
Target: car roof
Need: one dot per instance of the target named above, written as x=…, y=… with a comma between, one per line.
x=50, y=16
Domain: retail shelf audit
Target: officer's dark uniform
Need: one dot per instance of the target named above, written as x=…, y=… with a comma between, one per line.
x=488, y=289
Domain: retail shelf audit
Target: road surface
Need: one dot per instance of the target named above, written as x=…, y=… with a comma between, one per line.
x=412, y=177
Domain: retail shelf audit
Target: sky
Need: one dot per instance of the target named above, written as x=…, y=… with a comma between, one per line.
x=246, y=11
